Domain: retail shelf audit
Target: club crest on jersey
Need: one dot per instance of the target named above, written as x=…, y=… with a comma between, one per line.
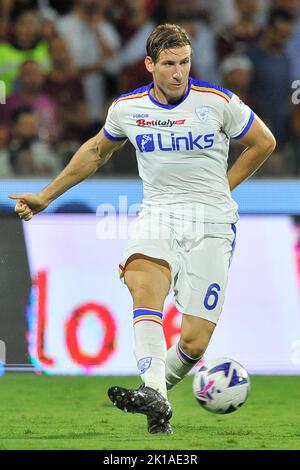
x=202, y=113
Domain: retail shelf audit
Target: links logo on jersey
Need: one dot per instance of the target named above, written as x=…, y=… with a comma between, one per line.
x=174, y=143
x=145, y=142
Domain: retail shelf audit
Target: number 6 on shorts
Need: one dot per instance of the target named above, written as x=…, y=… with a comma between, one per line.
x=212, y=295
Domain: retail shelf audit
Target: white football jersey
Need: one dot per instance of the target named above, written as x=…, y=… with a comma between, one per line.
x=182, y=148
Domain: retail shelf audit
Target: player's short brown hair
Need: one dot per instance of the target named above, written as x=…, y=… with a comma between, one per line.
x=166, y=36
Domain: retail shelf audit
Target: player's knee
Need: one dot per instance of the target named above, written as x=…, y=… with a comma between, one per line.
x=193, y=348
x=141, y=293
x=138, y=283
x=143, y=288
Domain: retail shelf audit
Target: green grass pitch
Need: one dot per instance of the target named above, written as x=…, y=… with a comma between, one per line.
x=47, y=412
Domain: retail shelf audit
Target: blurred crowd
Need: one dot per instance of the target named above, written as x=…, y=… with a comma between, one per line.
x=64, y=61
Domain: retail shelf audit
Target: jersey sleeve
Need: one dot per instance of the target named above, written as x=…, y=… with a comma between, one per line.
x=112, y=127
x=238, y=118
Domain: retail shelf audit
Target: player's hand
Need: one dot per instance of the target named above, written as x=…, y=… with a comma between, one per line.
x=28, y=205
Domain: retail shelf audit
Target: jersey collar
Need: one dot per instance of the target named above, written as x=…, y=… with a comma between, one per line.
x=169, y=106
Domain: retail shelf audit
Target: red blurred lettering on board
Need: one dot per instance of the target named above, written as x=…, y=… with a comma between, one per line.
x=171, y=328
x=41, y=283
x=108, y=345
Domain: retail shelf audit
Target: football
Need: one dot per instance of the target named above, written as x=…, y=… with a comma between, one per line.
x=221, y=385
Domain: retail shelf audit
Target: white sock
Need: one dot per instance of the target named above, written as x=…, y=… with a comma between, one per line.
x=150, y=348
x=178, y=364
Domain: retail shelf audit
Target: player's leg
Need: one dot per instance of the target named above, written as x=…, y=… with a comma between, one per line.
x=148, y=281
x=196, y=333
x=200, y=294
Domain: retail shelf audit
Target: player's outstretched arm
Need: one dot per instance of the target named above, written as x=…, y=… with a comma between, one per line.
x=90, y=156
x=260, y=143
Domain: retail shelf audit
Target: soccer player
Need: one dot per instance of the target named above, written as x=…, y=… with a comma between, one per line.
x=181, y=129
